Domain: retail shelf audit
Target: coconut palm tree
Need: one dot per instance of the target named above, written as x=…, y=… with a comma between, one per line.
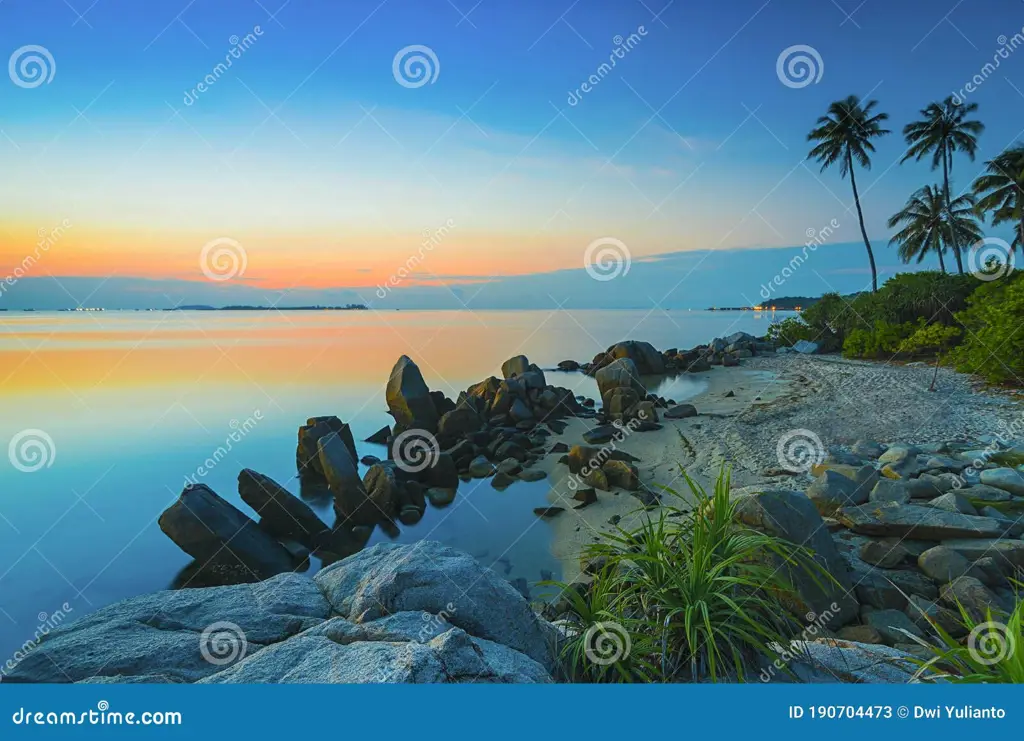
x=1001, y=190
x=942, y=131
x=930, y=224
x=843, y=137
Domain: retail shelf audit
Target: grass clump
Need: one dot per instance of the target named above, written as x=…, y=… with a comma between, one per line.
x=688, y=595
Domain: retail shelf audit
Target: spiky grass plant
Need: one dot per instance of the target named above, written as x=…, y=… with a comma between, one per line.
x=690, y=594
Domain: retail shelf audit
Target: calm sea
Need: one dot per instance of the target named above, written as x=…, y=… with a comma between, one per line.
x=135, y=402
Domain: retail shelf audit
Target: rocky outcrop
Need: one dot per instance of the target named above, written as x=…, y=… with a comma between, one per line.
x=214, y=532
x=420, y=613
x=282, y=514
x=408, y=398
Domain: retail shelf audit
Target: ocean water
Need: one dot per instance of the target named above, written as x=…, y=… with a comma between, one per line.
x=104, y=415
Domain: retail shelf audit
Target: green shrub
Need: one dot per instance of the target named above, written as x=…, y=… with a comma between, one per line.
x=930, y=339
x=692, y=594
x=883, y=341
x=790, y=331
x=993, y=344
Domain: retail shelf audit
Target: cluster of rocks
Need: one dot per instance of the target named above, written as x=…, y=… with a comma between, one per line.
x=725, y=351
x=910, y=534
x=419, y=613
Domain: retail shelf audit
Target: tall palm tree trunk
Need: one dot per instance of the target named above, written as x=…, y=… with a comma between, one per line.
x=863, y=231
x=949, y=207
x=942, y=260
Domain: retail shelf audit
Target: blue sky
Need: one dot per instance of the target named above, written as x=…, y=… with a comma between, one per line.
x=311, y=157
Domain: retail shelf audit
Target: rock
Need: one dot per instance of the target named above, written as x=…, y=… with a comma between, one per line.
x=792, y=516
x=212, y=531
x=167, y=633
x=380, y=437
x=729, y=360
x=436, y=579
x=441, y=497
x=832, y=490
x=480, y=467
x=532, y=474
x=514, y=367
x=953, y=502
x=973, y=596
x=502, y=481
x=410, y=515
x=600, y=434
x=898, y=454
x=621, y=373
x=585, y=497
x=867, y=449
x=369, y=460
x=926, y=614
x=385, y=494
x=643, y=355
x=510, y=466
x=983, y=493
x=927, y=486
x=1013, y=528
x=911, y=521
x=1007, y=479
x=583, y=456
x=568, y=365
x=860, y=634
x=408, y=397
x=307, y=454
x=943, y=564
x=889, y=491
x=886, y=554
x=534, y=379
x=548, y=512
x=621, y=474
x=681, y=411
x=559, y=448
x=890, y=624
x=342, y=476
x=443, y=472
x=282, y=513
x=805, y=348
x=887, y=588
x=830, y=660
x=459, y=422
x=597, y=479
x=1008, y=554
x=520, y=412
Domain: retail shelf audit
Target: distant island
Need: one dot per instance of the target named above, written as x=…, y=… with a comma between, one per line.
x=783, y=303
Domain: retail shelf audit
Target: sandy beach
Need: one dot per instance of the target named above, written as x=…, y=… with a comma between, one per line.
x=744, y=412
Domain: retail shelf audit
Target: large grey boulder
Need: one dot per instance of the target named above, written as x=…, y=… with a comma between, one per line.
x=912, y=521
x=887, y=588
x=432, y=577
x=1007, y=479
x=832, y=490
x=282, y=514
x=829, y=660
x=792, y=516
x=645, y=357
x=621, y=373
x=214, y=532
x=408, y=397
x=943, y=564
x=183, y=635
x=1008, y=554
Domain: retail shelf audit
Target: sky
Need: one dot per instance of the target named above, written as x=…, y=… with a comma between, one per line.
x=139, y=169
